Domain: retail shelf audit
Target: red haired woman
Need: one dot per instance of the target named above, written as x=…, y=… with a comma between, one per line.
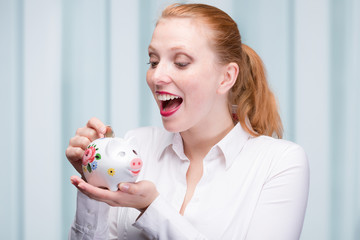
x=219, y=169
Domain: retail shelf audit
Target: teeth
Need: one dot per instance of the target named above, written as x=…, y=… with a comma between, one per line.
x=166, y=97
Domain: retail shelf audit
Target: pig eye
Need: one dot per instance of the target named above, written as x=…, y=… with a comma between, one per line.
x=121, y=154
x=134, y=152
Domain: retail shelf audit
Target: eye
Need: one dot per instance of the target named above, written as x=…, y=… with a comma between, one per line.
x=153, y=60
x=153, y=64
x=181, y=64
x=121, y=154
x=135, y=152
x=182, y=60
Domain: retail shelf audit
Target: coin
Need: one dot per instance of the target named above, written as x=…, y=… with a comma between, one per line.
x=109, y=132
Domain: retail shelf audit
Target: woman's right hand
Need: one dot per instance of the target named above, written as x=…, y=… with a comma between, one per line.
x=84, y=136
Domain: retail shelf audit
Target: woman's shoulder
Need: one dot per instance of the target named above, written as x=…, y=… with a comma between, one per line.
x=278, y=148
x=270, y=142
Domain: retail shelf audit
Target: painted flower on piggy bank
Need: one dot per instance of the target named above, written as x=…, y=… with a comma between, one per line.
x=110, y=161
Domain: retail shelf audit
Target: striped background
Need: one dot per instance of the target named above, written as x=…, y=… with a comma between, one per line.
x=62, y=62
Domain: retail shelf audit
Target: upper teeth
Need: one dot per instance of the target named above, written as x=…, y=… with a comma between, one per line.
x=166, y=97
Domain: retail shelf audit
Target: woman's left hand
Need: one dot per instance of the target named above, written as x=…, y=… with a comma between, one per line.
x=136, y=195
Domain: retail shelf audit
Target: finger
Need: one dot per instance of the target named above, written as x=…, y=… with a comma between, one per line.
x=91, y=191
x=89, y=133
x=96, y=124
x=128, y=188
x=80, y=142
x=139, y=188
x=96, y=193
x=75, y=180
x=74, y=153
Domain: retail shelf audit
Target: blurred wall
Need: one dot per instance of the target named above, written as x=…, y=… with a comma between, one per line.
x=64, y=61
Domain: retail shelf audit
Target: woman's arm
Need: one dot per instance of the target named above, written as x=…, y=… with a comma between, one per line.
x=281, y=207
x=157, y=220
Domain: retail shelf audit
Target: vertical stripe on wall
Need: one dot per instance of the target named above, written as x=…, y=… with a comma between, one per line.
x=312, y=108
x=12, y=121
x=356, y=76
x=42, y=101
x=125, y=66
x=107, y=61
x=146, y=25
x=18, y=205
x=67, y=194
x=345, y=118
x=144, y=31
x=290, y=126
x=337, y=89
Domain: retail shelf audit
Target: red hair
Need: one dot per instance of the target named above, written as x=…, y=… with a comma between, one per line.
x=257, y=109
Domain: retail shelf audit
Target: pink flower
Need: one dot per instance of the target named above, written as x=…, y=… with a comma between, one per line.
x=89, y=156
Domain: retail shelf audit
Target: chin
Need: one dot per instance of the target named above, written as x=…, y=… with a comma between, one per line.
x=172, y=126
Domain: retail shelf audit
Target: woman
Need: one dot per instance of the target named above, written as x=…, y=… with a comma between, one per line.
x=214, y=173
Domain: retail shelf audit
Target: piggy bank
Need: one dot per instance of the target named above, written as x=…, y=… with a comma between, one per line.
x=110, y=161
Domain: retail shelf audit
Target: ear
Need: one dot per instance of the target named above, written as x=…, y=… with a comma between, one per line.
x=132, y=141
x=231, y=71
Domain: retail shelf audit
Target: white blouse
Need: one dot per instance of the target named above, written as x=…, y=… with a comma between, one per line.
x=251, y=188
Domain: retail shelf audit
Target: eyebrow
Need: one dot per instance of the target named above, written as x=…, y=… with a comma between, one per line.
x=181, y=47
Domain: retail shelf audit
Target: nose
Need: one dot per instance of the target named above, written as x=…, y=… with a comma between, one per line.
x=136, y=163
x=160, y=75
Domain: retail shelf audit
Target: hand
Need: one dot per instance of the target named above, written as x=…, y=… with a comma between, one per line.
x=84, y=136
x=136, y=195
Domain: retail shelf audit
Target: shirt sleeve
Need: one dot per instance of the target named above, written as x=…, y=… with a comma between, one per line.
x=162, y=221
x=282, y=203
x=91, y=219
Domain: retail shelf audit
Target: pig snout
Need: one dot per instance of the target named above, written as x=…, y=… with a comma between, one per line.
x=136, y=165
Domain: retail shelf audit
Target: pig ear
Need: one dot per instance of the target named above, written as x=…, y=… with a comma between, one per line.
x=132, y=142
x=114, y=146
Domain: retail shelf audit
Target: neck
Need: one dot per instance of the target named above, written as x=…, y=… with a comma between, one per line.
x=199, y=140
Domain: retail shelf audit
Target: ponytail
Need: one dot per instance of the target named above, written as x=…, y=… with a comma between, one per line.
x=257, y=109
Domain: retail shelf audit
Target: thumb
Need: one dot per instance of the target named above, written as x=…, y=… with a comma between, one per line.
x=127, y=188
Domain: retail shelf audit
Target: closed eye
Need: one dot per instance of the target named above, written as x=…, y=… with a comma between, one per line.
x=182, y=64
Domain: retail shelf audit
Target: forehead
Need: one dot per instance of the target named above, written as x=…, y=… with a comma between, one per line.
x=180, y=32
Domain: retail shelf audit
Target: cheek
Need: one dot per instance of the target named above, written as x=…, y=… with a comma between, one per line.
x=201, y=87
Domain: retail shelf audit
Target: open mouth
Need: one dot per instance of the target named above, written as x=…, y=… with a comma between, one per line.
x=169, y=103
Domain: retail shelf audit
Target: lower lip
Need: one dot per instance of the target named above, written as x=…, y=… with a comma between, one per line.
x=170, y=112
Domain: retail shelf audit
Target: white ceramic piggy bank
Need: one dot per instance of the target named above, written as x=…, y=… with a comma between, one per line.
x=110, y=161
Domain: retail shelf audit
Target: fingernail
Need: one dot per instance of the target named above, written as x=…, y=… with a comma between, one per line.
x=73, y=180
x=103, y=130
x=124, y=187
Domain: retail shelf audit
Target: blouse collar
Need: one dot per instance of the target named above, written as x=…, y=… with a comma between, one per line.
x=230, y=146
